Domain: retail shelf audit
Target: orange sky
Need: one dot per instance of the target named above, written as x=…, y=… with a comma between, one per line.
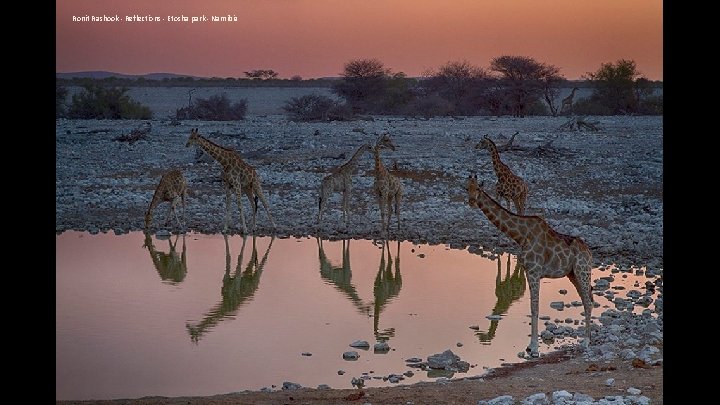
x=314, y=38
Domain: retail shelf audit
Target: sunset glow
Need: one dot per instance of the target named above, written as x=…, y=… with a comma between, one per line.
x=314, y=38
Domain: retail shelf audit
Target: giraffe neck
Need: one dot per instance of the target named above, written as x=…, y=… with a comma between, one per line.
x=508, y=223
x=498, y=165
x=353, y=162
x=222, y=155
x=379, y=167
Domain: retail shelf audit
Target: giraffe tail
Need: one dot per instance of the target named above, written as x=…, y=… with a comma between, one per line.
x=256, y=203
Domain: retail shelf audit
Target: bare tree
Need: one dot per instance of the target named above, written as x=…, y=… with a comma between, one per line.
x=551, y=79
x=363, y=81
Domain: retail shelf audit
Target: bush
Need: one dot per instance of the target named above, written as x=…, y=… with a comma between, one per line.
x=652, y=105
x=432, y=105
x=586, y=106
x=314, y=107
x=60, y=100
x=98, y=102
x=214, y=108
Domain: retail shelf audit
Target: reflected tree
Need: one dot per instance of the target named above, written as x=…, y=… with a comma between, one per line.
x=386, y=287
x=171, y=267
x=237, y=289
x=507, y=291
x=341, y=276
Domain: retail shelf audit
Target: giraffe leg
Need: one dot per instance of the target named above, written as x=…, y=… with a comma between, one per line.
x=322, y=201
x=168, y=217
x=259, y=193
x=534, y=284
x=253, y=205
x=184, y=197
x=381, y=204
x=398, y=198
x=346, y=197
x=580, y=277
x=174, y=210
x=242, y=214
x=227, y=209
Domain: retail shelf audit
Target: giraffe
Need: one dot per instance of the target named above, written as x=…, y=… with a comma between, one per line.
x=341, y=276
x=172, y=187
x=236, y=289
x=237, y=176
x=507, y=291
x=568, y=101
x=388, y=187
x=509, y=186
x=170, y=267
x=340, y=181
x=544, y=253
x=386, y=287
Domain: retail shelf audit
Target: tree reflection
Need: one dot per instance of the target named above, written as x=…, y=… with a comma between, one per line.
x=236, y=290
x=507, y=291
x=171, y=267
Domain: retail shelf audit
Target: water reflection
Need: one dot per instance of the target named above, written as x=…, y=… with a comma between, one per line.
x=236, y=289
x=386, y=287
x=171, y=267
x=341, y=276
x=507, y=291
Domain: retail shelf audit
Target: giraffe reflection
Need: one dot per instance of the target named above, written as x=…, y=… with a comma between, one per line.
x=507, y=291
x=341, y=276
x=171, y=267
x=236, y=289
x=387, y=286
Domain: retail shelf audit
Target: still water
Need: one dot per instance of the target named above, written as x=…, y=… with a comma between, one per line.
x=207, y=314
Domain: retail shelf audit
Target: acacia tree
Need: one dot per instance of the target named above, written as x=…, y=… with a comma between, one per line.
x=261, y=74
x=460, y=83
x=368, y=86
x=551, y=79
x=614, y=86
x=523, y=81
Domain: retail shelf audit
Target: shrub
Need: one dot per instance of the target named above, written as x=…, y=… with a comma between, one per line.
x=214, y=108
x=314, y=107
x=96, y=101
x=587, y=106
x=432, y=105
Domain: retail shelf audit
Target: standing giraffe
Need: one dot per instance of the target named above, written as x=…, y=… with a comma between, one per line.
x=387, y=186
x=568, y=101
x=172, y=187
x=340, y=181
x=237, y=176
x=544, y=253
x=509, y=186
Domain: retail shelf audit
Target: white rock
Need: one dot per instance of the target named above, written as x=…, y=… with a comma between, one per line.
x=634, y=391
x=610, y=382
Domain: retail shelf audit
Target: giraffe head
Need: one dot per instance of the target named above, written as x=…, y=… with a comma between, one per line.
x=473, y=190
x=484, y=143
x=384, y=142
x=194, y=136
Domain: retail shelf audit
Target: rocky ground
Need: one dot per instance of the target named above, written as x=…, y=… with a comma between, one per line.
x=605, y=186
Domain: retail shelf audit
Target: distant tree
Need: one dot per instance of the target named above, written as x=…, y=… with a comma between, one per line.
x=296, y=78
x=369, y=87
x=615, y=85
x=363, y=82
x=261, y=74
x=523, y=80
x=458, y=82
x=60, y=100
